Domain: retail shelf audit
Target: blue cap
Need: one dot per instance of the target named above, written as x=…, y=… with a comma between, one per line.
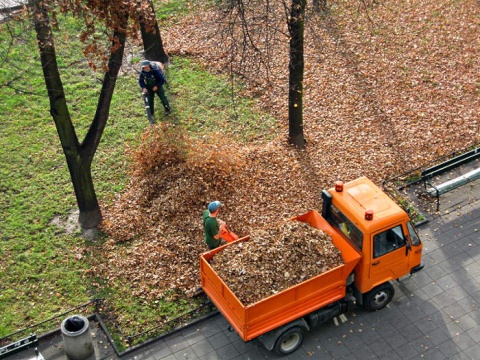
x=145, y=63
x=214, y=205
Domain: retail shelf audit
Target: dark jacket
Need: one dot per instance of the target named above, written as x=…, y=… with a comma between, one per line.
x=151, y=79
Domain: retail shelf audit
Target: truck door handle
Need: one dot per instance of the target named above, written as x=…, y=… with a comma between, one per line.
x=375, y=263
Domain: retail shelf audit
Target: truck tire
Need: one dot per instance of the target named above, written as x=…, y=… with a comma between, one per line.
x=289, y=341
x=378, y=297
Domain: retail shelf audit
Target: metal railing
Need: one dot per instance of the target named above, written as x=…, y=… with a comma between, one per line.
x=135, y=341
x=54, y=322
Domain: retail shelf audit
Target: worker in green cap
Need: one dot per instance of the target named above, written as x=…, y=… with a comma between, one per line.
x=212, y=227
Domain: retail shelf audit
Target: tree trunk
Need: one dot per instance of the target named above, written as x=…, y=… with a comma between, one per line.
x=296, y=68
x=81, y=175
x=152, y=40
x=78, y=156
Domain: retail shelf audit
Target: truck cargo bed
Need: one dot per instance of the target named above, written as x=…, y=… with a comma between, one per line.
x=267, y=314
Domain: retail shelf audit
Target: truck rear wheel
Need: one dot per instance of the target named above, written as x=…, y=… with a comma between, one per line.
x=378, y=297
x=289, y=341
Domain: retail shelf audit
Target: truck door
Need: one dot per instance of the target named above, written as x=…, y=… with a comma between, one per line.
x=389, y=255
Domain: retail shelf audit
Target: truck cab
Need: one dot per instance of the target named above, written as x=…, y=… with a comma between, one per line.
x=380, y=230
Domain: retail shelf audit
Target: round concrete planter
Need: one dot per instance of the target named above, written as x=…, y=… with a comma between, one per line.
x=77, y=337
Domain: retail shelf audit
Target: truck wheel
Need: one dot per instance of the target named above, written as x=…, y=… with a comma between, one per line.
x=378, y=297
x=289, y=341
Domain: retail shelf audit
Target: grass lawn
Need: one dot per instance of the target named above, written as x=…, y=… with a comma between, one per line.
x=43, y=271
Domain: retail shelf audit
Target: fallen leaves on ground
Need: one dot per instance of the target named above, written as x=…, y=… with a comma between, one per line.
x=386, y=90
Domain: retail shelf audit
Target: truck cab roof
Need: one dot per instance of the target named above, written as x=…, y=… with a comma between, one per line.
x=360, y=196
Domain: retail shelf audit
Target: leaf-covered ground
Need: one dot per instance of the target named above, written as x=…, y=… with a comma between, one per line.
x=389, y=86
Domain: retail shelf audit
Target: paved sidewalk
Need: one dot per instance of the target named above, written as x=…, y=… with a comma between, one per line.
x=434, y=314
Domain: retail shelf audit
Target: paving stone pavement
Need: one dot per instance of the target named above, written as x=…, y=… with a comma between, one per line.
x=433, y=315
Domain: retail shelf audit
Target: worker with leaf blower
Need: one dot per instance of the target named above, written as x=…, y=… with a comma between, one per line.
x=151, y=81
x=215, y=231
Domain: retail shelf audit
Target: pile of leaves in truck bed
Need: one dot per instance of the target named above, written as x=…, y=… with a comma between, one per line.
x=275, y=259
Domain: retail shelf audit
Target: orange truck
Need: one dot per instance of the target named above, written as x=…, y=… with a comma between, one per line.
x=378, y=243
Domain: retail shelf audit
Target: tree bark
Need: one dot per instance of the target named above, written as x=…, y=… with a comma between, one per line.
x=79, y=157
x=296, y=27
x=152, y=40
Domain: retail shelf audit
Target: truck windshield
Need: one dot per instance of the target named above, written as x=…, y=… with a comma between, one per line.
x=338, y=220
